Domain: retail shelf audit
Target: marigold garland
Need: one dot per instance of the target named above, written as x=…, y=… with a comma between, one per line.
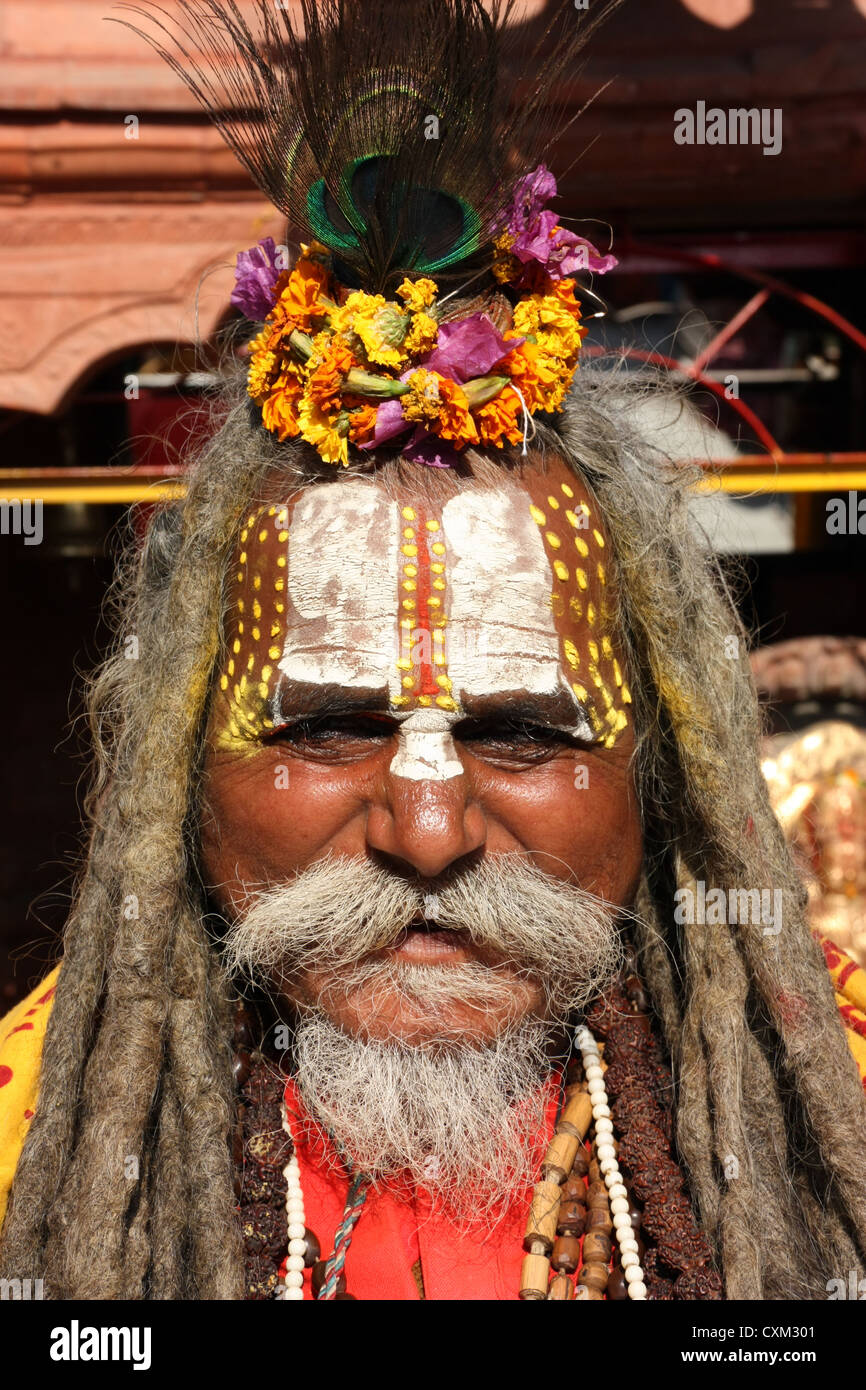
x=340, y=366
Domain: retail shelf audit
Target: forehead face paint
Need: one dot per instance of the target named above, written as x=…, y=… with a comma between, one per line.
x=423, y=611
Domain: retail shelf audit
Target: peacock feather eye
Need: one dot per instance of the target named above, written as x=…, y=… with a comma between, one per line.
x=427, y=228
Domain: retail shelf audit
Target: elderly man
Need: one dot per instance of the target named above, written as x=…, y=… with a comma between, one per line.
x=434, y=791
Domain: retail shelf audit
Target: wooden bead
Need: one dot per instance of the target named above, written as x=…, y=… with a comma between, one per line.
x=534, y=1274
x=596, y=1247
x=572, y=1219
x=595, y=1173
x=240, y=1067
x=318, y=1278
x=313, y=1252
x=566, y=1254
x=576, y=1116
x=599, y=1220
x=580, y=1166
x=560, y=1155
x=574, y=1190
x=561, y=1288
x=593, y=1277
x=543, y=1215
x=597, y=1195
x=617, y=1286
x=582, y=1294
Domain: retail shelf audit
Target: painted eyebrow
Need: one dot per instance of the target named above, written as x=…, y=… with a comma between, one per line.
x=556, y=710
x=302, y=700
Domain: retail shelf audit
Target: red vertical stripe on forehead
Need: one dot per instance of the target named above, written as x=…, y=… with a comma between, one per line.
x=424, y=683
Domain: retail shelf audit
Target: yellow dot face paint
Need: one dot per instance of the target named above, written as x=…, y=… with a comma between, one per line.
x=578, y=599
x=494, y=589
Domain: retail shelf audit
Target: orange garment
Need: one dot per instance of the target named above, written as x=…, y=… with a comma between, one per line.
x=394, y=1232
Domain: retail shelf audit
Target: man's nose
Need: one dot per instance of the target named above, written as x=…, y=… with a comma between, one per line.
x=427, y=824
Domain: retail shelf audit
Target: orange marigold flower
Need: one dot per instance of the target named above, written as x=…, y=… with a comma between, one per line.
x=455, y=422
x=362, y=424
x=564, y=291
x=280, y=410
x=329, y=372
x=542, y=379
x=299, y=299
x=498, y=419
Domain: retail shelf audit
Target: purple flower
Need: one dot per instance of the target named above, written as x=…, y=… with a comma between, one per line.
x=539, y=239
x=256, y=274
x=430, y=449
x=467, y=348
x=390, y=421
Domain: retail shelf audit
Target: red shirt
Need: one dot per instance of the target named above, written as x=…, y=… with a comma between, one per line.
x=393, y=1232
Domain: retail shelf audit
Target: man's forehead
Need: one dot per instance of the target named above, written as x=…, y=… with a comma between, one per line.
x=410, y=603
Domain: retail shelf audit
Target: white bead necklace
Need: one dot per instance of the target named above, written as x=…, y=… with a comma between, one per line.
x=608, y=1165
x=297, y=1225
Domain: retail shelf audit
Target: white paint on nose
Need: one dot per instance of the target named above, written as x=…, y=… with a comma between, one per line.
x=426, y=752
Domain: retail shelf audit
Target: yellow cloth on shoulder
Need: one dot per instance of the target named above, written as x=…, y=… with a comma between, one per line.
x=23, y=1030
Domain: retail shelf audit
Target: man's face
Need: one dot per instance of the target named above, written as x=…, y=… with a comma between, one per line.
x=425, y=687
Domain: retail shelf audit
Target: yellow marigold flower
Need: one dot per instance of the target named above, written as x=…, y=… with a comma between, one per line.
x=551, y=321
x=382, y=331
x=505, y=266
x=280, y=410
x=422, y=336
x=499, y=418
x=424, y=399
x=418, y=295
x=323, y=433
x=260, y=373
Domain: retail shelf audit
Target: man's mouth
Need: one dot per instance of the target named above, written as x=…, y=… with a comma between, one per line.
x=425, y=942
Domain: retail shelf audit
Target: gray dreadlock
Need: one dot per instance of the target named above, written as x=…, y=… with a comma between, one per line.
x=124, y=1186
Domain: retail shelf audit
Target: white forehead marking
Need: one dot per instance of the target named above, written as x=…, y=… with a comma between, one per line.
x=341, y=587
x=501, y=631
x=426, y=752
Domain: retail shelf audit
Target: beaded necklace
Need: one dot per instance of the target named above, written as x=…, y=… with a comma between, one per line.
x=608, y=1220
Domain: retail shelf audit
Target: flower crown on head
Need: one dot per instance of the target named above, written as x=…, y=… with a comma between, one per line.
x=337, y=366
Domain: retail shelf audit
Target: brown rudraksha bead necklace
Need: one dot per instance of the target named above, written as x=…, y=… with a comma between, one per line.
x=609, y=1217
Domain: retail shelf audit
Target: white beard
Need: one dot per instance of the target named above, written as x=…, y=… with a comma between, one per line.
x=464, y=1122
x=460, y=1117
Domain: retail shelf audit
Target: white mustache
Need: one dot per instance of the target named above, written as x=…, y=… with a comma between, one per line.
x=340, y=911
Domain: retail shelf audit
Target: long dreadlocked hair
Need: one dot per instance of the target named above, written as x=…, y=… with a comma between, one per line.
x=124, y=1189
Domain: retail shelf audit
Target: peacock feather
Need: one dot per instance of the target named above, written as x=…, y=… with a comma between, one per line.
x=381, y=128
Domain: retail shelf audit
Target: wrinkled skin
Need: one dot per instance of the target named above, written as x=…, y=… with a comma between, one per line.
x=342, y=796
